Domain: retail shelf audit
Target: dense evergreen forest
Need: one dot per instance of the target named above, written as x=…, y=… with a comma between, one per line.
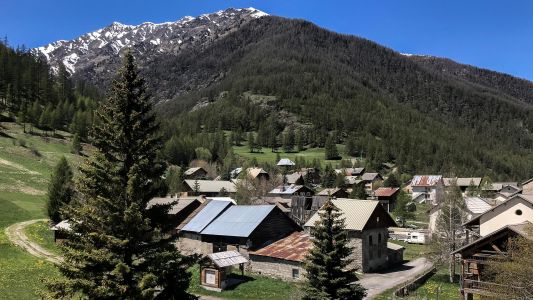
x=296, y=86
x=389, y=106
x=32, y=94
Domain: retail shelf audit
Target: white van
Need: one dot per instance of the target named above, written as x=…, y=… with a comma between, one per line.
x=416, y=238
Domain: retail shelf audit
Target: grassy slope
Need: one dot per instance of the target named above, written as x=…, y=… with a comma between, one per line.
x=41, y=234
x=23, y=180
x=309, y=154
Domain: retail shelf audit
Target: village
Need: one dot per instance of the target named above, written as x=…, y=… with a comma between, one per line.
x=270, y=234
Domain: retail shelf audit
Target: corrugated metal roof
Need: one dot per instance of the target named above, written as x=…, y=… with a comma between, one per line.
x=211, y=186
x=293, y=247
x=227, y=258
x=238, y=221
x=63, y=225
x=355, y=212
x=426, y=180
x=385, y=191
x=477, y=205
x=205, y=216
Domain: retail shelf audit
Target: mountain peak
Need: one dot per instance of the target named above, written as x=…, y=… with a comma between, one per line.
x=148, y=37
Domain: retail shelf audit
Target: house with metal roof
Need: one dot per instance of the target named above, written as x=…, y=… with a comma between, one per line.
x=515, y=210
x=179, y=210
x=371, y=180
x=463, y=182
x=208, y=188
x=190, y=238
x=248, y=227
x=387, y=197
x=195, y=173
x=333, y=193
x=367, y=224
x=283, y=258
x=288, y=191
x=473, y=207
x=427, y=188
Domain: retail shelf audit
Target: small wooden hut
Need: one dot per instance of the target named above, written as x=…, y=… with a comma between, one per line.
x=214, y=273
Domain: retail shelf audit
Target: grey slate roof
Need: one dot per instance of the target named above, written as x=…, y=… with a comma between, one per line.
x=227, y=258
x=288, y=189
x=205, y=216
x=239, y=221
x=191, y=171
x=477, y=205
x=285, y=162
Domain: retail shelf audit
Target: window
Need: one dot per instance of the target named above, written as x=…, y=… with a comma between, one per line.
x=308, y=203
x=295, y=273
x=370, y=240
x=518, y=212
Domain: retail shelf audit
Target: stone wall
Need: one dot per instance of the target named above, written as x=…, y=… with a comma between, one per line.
x=192, y=244
x=275, y=267
x=367, y=257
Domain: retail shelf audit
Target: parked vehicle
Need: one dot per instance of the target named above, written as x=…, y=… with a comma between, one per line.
x=416, y=238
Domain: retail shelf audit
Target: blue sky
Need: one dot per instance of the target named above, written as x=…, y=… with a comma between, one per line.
x=497, y=35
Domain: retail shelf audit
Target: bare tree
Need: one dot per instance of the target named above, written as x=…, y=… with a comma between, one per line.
x=449, y=232
x=252, y=190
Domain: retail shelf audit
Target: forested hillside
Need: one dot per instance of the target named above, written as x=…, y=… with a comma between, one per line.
x=30, y=92
x=392, y=107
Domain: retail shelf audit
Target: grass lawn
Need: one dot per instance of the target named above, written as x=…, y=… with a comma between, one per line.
x=413, y=251
x=20, y=273
x=41, y=234
x=258, y=287
x=309, y=154
x=24, y=174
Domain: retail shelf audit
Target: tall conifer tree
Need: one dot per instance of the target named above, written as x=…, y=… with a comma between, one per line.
x=118, y=249
x=60, y=190
x=327, y=263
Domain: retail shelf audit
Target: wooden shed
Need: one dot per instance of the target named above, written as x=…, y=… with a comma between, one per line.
x=214, y=274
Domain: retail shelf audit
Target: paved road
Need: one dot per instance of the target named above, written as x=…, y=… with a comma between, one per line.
x=377, y=283
x=15, y=233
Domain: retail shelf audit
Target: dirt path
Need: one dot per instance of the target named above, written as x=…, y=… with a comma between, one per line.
x=15, y=233
x=377, y=283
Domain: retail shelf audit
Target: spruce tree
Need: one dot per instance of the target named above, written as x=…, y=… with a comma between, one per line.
x=358, y=192
x=327, y=264
x=76, y=144
x=60, y=190
x=116, y=248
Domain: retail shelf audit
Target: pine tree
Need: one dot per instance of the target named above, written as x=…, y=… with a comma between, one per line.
x=116, y=248
x=327, y=264
x=288, y=140
x=76, y=144
x=358, y=192
x=251, y=142
x=331, y=149
x=299, y=140
x=60, y=190
x=391, y=181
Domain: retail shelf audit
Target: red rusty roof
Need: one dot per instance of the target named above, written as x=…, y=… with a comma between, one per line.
x=385, y=191
x=426, y=180
x=293, y=247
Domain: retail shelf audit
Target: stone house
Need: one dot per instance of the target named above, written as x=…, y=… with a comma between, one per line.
x=427, y=188
x=283, y=258
x=527, y=186
x=367, y=223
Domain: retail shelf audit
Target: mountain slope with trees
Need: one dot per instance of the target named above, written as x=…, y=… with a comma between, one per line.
x=394, y=107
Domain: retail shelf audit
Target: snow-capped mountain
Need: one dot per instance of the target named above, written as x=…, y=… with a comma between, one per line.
x=96, y=55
